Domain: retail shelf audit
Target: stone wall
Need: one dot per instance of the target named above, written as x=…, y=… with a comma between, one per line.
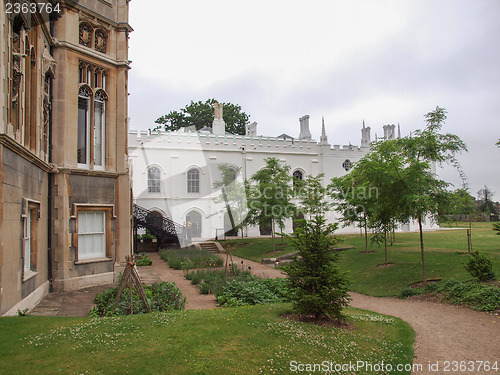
x=22, y=181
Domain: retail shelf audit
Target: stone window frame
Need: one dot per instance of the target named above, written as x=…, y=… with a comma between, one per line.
x=110, y=217
x=295, y=183
x=199, y=228
x=30, y=216
x=101, y=97
x=192, y=182
x=150, y=179
x=92, y=78
x=347, y=164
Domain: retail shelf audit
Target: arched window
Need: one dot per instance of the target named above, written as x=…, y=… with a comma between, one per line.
x=193, y=181
x=347, y=164
x=298, y=176
x=153, y=180
x=83, y=151
x=193, y=222
x=99, y=128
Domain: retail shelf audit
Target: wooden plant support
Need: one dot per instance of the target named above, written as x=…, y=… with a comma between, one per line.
x=229, y=257
x=131, y=277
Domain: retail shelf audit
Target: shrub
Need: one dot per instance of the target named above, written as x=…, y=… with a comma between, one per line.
x=476, y=295
x=408, y=292
x=254, y=292
x=161, y=296
x=143, y=260
x=213, y=280
x=496, y=227
x=480, y=266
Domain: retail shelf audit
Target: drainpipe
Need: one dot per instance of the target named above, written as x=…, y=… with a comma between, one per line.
x=50, y=182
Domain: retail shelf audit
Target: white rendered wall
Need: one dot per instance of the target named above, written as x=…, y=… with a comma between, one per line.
x=174, y=153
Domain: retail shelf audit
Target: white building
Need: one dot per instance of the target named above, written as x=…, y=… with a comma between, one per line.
x=173, y=172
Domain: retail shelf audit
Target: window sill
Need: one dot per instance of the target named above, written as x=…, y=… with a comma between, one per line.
x=93, y=260
x=29, y=274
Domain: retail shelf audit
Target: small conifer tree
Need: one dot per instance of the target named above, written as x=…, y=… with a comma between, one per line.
x=319, y=287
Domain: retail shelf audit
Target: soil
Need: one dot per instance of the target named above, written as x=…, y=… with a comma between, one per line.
x=385, y=265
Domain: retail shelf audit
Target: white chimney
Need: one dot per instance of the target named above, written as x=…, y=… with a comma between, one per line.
x=304, y=128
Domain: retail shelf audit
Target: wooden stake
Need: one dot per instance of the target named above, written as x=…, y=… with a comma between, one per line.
x=131, y=277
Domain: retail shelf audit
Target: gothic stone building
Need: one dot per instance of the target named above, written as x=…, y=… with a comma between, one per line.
x=65, y=214
x=174, y=172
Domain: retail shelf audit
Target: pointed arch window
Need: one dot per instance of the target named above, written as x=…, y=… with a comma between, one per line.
x=99, y=128
x=92, y=105
x=194, y=223
x=83, y=151
x=298, y=176
x=153, y=180
x=193, y=181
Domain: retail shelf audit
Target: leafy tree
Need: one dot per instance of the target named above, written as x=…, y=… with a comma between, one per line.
x=311, y=193
x=402, y=171
x=485, y=204
x=352, y=195
x=319, y=288
x=422, y=192
x=460, y=202
x=200, y=114
x=269, y=195
x=498, y=143
x=232, y=196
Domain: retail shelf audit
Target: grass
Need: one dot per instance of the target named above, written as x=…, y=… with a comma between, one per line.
x=445, y=254
x=243, y=340
x=257, y=248
x=189, y=258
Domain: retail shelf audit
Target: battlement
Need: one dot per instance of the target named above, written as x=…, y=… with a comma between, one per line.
x=176, y=139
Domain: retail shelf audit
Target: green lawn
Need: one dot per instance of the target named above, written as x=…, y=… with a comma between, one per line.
x=444, y=252
x=245, y=340
x=257, y=248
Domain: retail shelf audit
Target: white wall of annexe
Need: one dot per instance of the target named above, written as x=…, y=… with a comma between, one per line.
x=176, y=153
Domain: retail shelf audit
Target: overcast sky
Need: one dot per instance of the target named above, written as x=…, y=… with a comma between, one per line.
x=384, y=62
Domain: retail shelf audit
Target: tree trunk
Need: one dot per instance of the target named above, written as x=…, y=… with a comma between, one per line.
x=470, y=234
x=385, y=240
x=393, y=240
x=424, y=272
x=366, y=237
x=272, y=234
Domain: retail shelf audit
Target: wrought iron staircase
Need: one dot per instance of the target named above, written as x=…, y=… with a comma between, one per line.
x=164, y=229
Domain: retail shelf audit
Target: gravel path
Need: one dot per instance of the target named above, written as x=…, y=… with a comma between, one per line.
x=443, y=332
x=195, y=300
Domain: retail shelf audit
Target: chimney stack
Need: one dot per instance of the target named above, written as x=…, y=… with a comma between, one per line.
x=304, y=128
